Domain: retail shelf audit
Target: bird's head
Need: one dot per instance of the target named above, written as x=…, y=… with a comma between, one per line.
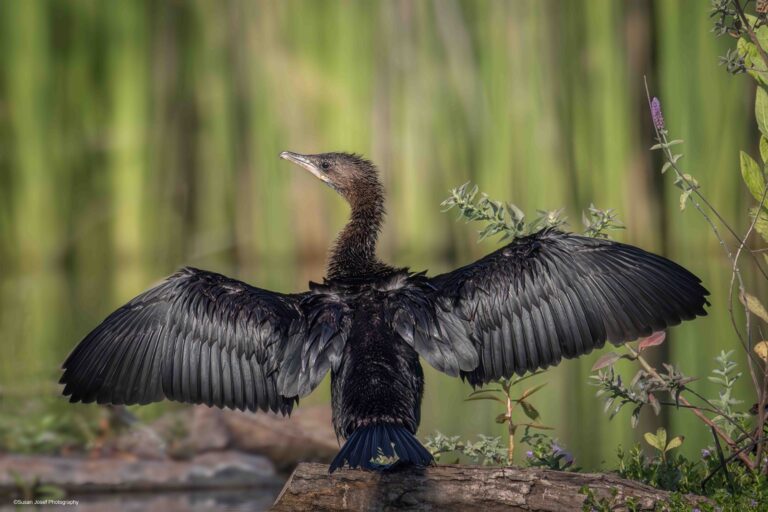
x=352, y=176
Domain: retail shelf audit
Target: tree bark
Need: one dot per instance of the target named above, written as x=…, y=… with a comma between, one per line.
x=459, y=488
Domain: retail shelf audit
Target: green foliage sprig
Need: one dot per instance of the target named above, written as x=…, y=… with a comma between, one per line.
x=504, y=395
x=546, y=452
x=500, y=217
x=597, y=222
x=487, y=450
x=727, y=376
x=509, y=221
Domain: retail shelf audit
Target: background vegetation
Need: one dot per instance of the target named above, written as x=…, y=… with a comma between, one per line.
x=139, y=136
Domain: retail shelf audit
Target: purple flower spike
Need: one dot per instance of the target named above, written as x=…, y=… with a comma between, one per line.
x=529, y=454
x=658, y=118
x=705, y=454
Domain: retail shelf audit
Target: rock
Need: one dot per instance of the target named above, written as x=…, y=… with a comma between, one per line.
x=212, y=470
x=306, y=437
x=139, y=440
x=205, y=431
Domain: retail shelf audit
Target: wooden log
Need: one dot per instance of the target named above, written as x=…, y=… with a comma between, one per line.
x=458, y=488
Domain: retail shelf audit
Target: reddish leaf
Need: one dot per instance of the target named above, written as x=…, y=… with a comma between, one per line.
x=653, y=340
x=606, y=360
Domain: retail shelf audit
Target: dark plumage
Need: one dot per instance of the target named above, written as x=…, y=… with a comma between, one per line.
x=200, y=337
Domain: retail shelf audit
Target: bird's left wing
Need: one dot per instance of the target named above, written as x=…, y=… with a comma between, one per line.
x=201, y=337
x=544, y=297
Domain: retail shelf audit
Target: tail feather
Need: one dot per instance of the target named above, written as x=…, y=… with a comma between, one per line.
x=367, y=443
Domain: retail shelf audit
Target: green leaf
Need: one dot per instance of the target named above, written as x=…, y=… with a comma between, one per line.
x=761, y=349
x=518, y=380
x=485, y=390
x=652, y=440
x=502, y=418
x=530, y=391
x=761, y=224
x=761, y=31
x=761, y=110
x=497, y=399
x=755, y=306
x=752, y=60
x=675, y=443
x=539, y=426
x=764, y=149
x=530, y=410
x=752, y=175
x=684, y=198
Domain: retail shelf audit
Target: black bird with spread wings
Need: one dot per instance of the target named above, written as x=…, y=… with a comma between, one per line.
x=203, y=338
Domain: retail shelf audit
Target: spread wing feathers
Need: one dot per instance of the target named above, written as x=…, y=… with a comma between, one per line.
x=552, y=295
x=198, y=337
x=318, y=347
x=435, y=334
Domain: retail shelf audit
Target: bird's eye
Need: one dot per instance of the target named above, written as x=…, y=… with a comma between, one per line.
x=325, y=165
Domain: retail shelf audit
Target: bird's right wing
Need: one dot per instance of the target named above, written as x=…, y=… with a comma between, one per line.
x=201, y=337
x=547, y=296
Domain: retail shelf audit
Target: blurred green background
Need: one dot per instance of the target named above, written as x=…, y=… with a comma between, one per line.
x=140, y=136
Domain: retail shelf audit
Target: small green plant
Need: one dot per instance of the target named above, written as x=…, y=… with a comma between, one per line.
x=500, y=217
x=597, y=222
x=503, y=394
x=509, y=221
x=32, y=489
x=659, y=441
x=487, y=450
x=46, y=433
x=593, y=503
x=546, y=452
x=726, y=376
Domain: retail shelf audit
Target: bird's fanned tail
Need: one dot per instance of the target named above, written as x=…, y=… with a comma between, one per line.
x=368, y=443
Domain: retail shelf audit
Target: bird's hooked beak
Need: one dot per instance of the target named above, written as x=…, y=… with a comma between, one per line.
x=306, y=162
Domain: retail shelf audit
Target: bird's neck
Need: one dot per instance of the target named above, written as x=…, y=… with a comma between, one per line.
x=354, y=252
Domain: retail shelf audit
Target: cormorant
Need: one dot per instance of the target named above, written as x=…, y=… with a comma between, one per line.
x=201, y=337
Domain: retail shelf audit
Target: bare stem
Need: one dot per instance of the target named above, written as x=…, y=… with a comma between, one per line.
x=511, y=447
